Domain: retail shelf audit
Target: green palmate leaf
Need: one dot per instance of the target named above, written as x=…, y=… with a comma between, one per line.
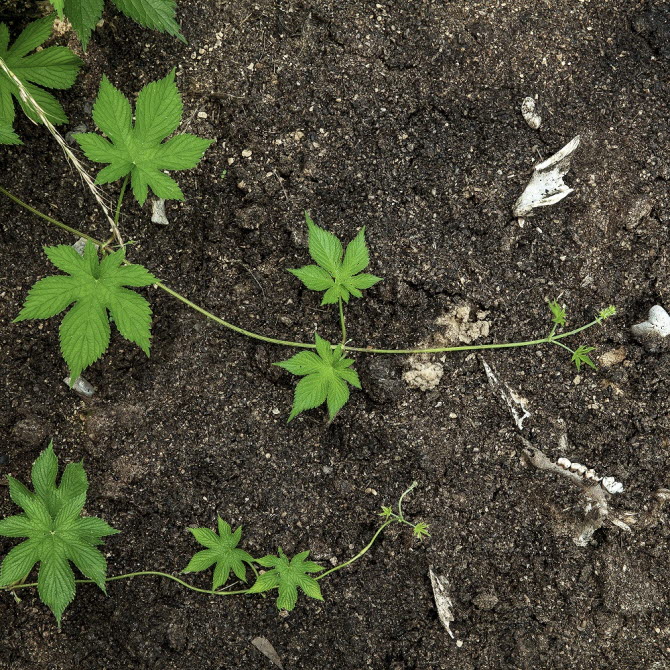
x=336, y=272
x=287, y=575
x=54, y=67
x=56, y=533
x=325, y=375
x=222, y=550
x=580, y=356
x=85, y=14
x=139, y=149
x=97, y=289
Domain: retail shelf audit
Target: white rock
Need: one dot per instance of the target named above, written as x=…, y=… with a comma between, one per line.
x=656, y=325
x=591, y=474
x=579, y=468
x=529, y=113
x=546, y=186
x=81, y=387
x=158, y=212
x=564, y=463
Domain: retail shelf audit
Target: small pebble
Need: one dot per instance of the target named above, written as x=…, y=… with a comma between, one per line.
x=246, y=153
x=202, y=115
x=81, y=387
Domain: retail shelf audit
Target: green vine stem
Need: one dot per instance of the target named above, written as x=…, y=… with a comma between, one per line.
x=343, y=324
x=552, y=338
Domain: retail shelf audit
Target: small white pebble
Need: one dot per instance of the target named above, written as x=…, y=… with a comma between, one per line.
x=202, y=115
x=529, y=113
x=564, y=463
x=246, y=153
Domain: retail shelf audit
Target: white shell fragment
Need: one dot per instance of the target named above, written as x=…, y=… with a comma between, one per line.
x=81, y=387
x=265, y=647
x=443, y=602
x=158, y=213
x=546, y=186
x=656, y=325
x=79, y=245
x=529, y=113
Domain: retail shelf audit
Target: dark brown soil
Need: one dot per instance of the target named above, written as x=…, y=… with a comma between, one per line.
x=404, y=117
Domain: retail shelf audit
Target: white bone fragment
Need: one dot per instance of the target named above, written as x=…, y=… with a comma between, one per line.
x=656, y=325
x=443, y=602
x=621, y=524
x=81, y=387
x=564, y=463
x=611, y=485
x=158, y=213
x=529, y=113
x=546, y=186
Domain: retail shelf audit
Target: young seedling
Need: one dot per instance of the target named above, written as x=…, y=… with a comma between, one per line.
x=286, y=575
x=138, y=150
x=84, y=15
x=325, y=375
x=580, y=356
x=57, y=534
x=97, y=290
x=339, y=276
x=53, y=67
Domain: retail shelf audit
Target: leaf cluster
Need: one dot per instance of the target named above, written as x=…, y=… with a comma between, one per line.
x=97, y=289
x=137, y=149
x=57, y=533
x=338, y=273
x=54, y=67
x=557, y=313
x=85, y=14
x=325, y=375
x=286, y=575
